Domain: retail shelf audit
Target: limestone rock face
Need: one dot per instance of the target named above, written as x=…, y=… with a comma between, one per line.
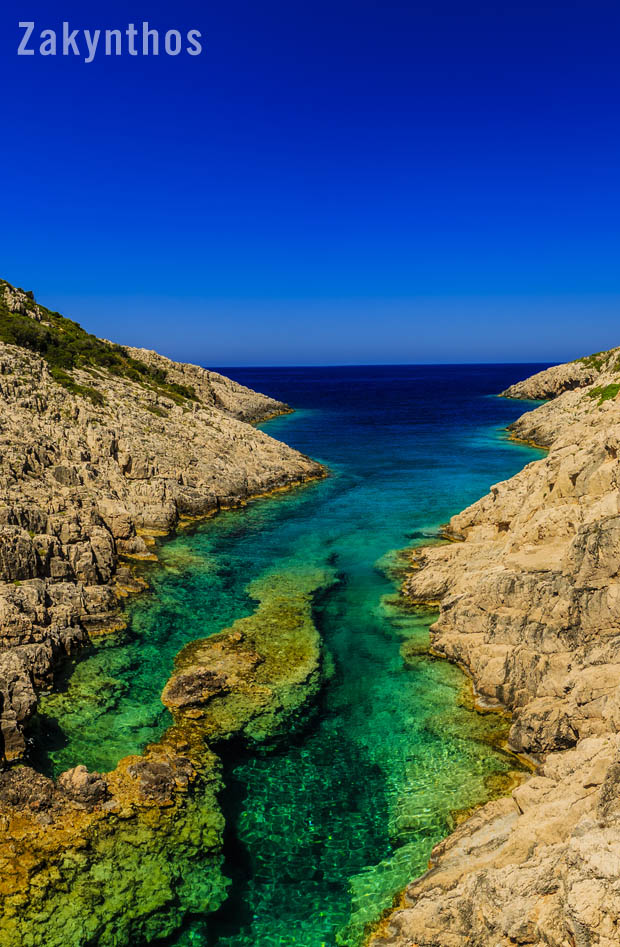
x=91, y=470
x=86, y=478
x=214, y=389
x=529, y=594
x=83, y=787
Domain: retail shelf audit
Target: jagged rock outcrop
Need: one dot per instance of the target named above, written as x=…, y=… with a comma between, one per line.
x=554, y=381
x=214, y=389
x=103, y=448
x=529, y=593
x=94, y=466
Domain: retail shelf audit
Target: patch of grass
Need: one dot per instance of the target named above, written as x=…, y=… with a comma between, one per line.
x=605, y=393
x=65, y=345
x=155, y=409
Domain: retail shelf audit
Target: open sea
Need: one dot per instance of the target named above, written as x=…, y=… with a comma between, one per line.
x=324, y=831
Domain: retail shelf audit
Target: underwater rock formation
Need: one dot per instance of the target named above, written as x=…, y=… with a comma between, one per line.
x=253, y=678
x=112, y=859
x=529, y=593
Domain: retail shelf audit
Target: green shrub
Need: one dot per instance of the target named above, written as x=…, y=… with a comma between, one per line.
x=605, y=393
x=65, y=345
x=593, y=361
x=600, y=359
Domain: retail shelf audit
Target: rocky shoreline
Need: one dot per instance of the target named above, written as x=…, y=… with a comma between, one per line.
x=529, y=597
x=103, y=449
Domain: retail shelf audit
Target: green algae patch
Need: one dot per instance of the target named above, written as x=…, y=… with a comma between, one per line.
x=179, y=557
x=256, y=677
x=111, y=860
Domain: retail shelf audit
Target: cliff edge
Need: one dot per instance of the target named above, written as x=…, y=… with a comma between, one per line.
x=600, y=368
x=529, y=594
x=102, y=447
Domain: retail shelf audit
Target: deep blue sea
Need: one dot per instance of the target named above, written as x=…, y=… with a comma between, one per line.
x=326, y=830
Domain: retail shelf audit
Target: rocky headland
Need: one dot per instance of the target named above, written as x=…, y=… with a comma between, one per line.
x=103, y=449
x=528, y=588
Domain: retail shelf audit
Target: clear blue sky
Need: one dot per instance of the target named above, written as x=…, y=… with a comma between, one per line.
x=331, y=182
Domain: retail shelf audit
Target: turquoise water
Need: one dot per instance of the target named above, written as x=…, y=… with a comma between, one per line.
x=324, y=831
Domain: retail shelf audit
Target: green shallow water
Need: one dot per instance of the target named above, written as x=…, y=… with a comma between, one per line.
x=325, y=830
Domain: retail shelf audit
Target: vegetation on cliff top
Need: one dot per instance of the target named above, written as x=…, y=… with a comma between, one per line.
x=605, y=393
x=598, y=360
x=65, y=345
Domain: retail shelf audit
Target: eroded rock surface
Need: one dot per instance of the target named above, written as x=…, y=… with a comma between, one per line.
x=114, y=859
x=529, y=594
x=84, y=483
x=95, y=461
x=554, y=381
x=121, y=858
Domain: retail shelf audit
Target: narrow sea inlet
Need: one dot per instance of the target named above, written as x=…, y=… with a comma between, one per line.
x=326, y=828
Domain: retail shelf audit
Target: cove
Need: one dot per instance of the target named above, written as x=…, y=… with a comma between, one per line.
x=327, y=827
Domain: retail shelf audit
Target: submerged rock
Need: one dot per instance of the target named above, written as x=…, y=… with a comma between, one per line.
x=121, y=858
x=255, y=678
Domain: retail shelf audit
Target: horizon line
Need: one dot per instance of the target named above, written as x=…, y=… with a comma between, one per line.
x=374, y=364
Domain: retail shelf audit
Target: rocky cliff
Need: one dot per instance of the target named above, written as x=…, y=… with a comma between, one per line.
x=94, y=459
x=103, y=448
x=529, y=593
x=601, y=369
